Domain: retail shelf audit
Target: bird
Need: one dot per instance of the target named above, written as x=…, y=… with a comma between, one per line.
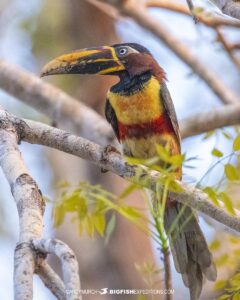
x=141, y=112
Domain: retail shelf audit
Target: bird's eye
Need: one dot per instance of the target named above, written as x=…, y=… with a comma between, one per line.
x=122, y=51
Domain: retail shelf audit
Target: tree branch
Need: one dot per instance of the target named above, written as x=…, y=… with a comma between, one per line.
x=222, y=116
x=229, y=7
x=51, y=280
x=208, y=19
x=54, y=103
x=136, y=10
x=30, y=205
x=37, y=133
x=12, y=75
x=68, y=261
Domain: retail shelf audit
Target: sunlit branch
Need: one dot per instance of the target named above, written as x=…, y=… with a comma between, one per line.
x=37, y=133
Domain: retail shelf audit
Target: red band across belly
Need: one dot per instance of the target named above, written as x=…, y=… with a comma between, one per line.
x=158, y=126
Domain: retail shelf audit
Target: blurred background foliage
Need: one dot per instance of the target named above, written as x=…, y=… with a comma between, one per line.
x=31, y=33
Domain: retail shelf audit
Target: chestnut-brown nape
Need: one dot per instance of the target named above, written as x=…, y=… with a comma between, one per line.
x=139, y=63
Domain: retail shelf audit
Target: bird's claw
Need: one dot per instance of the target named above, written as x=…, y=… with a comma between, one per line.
x=107, y=150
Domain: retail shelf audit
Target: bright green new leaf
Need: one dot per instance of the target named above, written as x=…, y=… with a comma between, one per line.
x=99, y=223
x=217, y=153
x=226, y=135
x=231, y=172
x=220, y=284
x=128, y=190
x=224, y=297
x=211, y=194
x=227, y=202
x=208, y=134
x=236, y=143
x=215, y=245
x=58, y=215
x=110, y=228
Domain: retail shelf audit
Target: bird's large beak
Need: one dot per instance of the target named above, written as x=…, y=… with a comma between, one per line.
x=101, y=60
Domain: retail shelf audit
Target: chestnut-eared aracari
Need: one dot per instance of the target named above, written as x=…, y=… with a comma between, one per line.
x=141, y=113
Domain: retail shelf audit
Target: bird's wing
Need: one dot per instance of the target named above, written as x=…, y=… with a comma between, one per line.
x=169, y=107
x=111, y=118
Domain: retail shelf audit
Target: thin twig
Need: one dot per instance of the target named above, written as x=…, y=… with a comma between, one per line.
x=168, y=275
x=227, y=47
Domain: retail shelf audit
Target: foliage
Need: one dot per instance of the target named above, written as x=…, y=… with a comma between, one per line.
x=94, y=209
x=90, y=205
x=150, y=273
x=232, y=291
x=220, y=194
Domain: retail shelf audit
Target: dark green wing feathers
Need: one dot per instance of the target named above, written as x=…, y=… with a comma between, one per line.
x=111, y=118
x=170, y=110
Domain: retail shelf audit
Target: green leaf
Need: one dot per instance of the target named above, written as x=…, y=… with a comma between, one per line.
x=227, y=202
x=174, y=187
x=82, y=208
x=141, y=297
x=215, y=245
x=99, y=223
x=236, y=143
x=58, y=215
x=222, y=260
x=231, y=172
x=89, y=225
x=226, y=135
x=224, y=297
x=220, y=284
x=110, y=228
x=211, y=194
x=208, y=134
x=217, y=153
x=236, y=296
x=130, y=188
x=235, y=281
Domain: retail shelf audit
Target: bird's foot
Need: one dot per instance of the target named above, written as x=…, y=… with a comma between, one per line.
x=108, y=150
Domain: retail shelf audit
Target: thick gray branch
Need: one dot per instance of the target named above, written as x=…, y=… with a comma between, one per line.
x=51, y=280
x=29, y=203
x=37, y=133
x=216, y=118
x=54, y=103
x=31, y=90
x=68, y=262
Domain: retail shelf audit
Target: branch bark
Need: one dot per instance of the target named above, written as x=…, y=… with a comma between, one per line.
x=136, y=10
x=51, y=280
x=229, y=7
x=37, y=133
x=69, y=264
x=46, y=102
x=54, y=103
x=207, y=19
x=222, y=116
x=30, y=205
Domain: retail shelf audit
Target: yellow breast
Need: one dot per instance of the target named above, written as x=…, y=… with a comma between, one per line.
x=141, y=107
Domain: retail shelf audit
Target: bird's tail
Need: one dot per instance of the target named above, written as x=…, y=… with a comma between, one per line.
x=191, y=255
